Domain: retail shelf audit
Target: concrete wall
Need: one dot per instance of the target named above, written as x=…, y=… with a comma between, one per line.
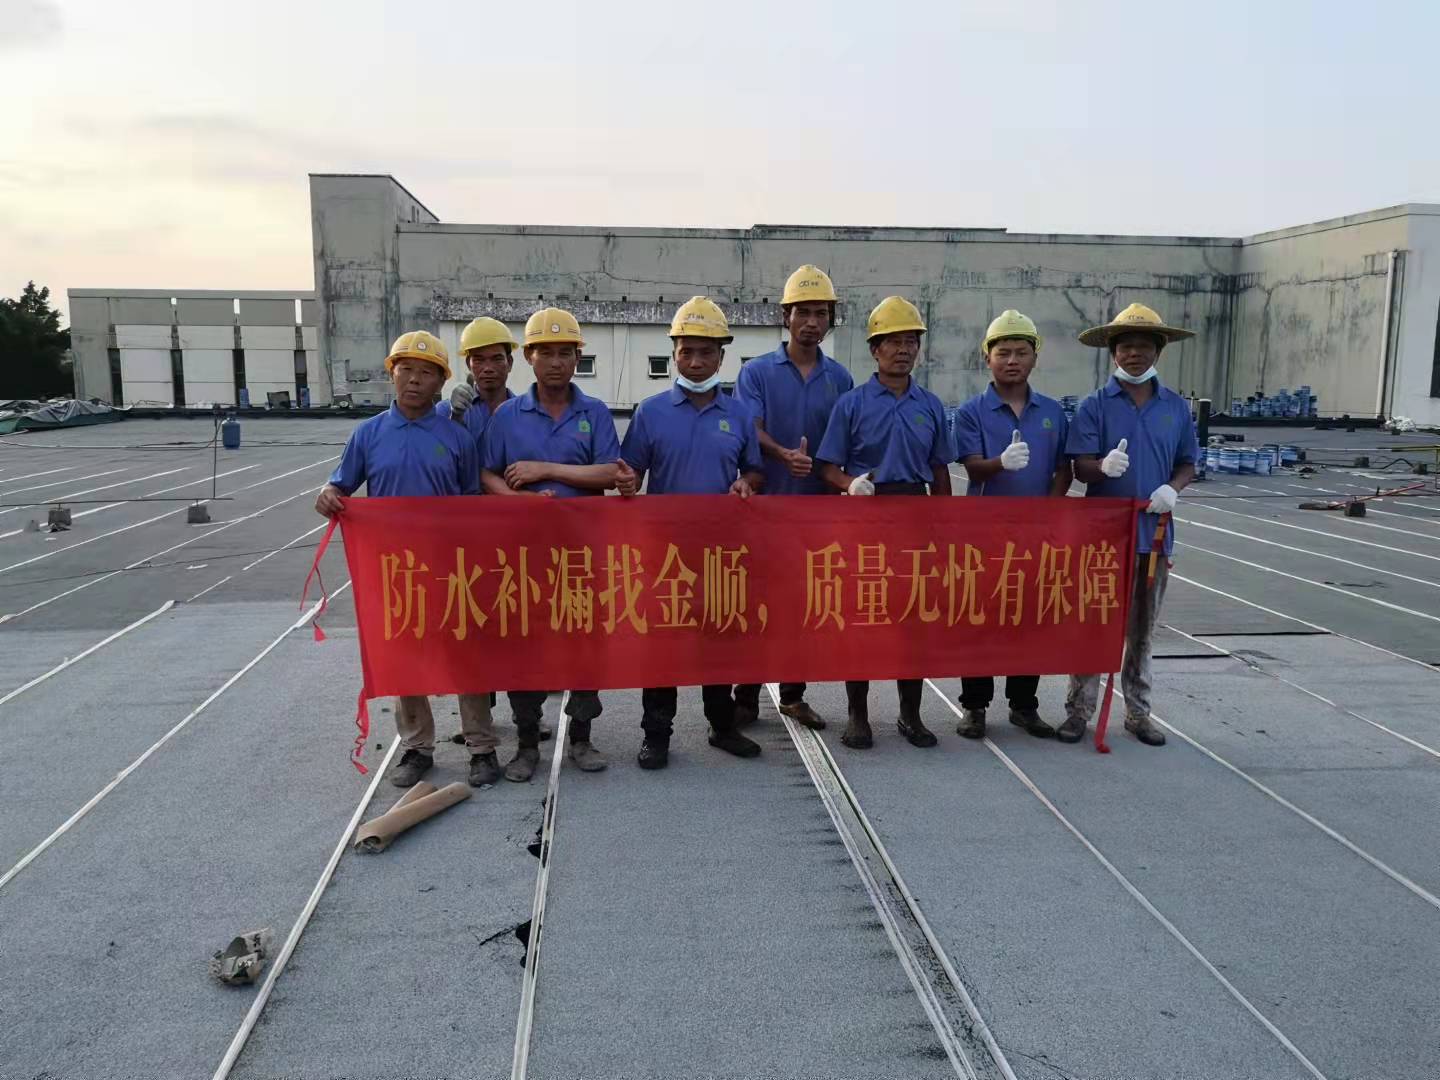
x=144, y=326
x=353, y=225
x=1310, y=308
x=631, y=280
x=1416, y=361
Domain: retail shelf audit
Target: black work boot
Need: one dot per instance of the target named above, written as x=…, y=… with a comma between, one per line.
x=745, y=714
x=1028, y=720
x=523, y=765
x=1072, y=730
x=972, y=724
x=484, y=769
x=732, y=742
x=804, y=715
x=915, y=731
x=413, y=765
x=1144, y=730
x=654, y=752
x=857, y=733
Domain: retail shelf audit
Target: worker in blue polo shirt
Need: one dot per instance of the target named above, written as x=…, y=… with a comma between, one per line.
x=409, y=451
x=692, y=440
x=888, y=437
x=488, y=349
x=1011, y=441
x=1133, y=438
x=552, y=441
x=792, y=392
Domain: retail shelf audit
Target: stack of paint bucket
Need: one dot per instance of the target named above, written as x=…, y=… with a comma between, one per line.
x=1280, y=405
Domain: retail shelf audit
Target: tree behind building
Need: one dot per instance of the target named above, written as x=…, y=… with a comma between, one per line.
x=33, y=347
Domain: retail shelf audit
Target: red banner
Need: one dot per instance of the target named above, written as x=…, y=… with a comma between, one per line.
x=476, y=594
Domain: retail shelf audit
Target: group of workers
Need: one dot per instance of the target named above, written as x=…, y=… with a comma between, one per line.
x=796, y=425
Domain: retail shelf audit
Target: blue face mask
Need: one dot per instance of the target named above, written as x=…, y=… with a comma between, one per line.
x=1135, y=380
x=698, y=387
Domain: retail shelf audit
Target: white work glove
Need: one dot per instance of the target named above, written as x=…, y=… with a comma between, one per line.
x=1116, y=462
x=1162, y=499
x=1015, y=456
x=461, y=398
x=861, y=485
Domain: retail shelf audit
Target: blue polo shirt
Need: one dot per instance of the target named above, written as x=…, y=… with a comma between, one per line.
x=477, y=418
x=521, y=430
x=1162, y=438
x=690, y=451
x=393, y=456
x=896, y=440
x=790, y=405
x=986, y=425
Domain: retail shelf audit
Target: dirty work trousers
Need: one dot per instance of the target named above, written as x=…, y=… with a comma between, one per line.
x=658, y=705
x=1145, y=603
x=529, y=705
x=416, y=723
x=791, y=693
x=857, y=697
x=976, y=692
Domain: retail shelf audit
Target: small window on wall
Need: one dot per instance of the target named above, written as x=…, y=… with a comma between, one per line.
x=586, y=368
x=659, y=367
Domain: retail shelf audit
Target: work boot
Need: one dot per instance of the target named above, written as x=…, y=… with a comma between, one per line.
x=746, y=714
x=1146, y=732
x=522, y=766
x=915, y=731
x=732, y=742
x=1072, y=730
x=857, y=734
x=586, y=757
x=804, y=715
x=546, y=732
x=484, y=769
x=413, y=765
x=1029, y=721
x=654, y=752
x=972, y=724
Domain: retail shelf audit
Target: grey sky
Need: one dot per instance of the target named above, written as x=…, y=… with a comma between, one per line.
x=166, y=144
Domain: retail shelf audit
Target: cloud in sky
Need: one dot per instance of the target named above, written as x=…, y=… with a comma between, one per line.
x=26, y=24
x=166, y=144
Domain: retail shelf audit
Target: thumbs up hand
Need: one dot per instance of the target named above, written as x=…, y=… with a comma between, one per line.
x=1117, y=461
x=627, y=482
x=800, y=461
x=1015, y=456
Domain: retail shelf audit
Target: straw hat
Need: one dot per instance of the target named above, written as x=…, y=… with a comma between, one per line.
x=1135, y=319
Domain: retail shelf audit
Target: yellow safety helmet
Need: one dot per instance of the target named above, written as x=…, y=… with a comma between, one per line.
x=1011, y=324
x=485, y=331
x=893, y=315
x=701, y=317
x=809, y=283
x=419, y=345
x=552, y=325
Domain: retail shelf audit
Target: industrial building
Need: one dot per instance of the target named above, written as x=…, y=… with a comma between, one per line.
x=1349, y=307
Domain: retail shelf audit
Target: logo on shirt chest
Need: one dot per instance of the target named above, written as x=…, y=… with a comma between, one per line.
x=921, y=419
x=440, y=451
x=724, y=425
x=584, y=427
x=1047, y=424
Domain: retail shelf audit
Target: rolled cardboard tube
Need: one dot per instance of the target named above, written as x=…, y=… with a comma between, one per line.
x=375, y=835
x=419, y=791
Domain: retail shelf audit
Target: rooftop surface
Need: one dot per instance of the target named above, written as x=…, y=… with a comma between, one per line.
x=1256, y=899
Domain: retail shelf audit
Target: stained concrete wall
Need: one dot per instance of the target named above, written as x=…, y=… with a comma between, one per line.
x=1415, y=388
x=960, y=279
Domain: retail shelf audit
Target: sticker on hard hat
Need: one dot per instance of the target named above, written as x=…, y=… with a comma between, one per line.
x=421, y=346
x=554, y=327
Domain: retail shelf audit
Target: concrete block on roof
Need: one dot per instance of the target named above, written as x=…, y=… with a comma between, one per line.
x=268, y=312
x=206, y=311
x=152, y=310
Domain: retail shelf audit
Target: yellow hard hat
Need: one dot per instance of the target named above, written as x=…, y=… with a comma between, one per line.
x=485, y=331
x=1011, y=324
x=1135, y=319
x=701, y=317
x=808, y=283
x=891, y=316
x=552, y=324
x=419, y=345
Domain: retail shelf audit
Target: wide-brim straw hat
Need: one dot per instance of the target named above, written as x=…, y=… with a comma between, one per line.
x=1135, y=319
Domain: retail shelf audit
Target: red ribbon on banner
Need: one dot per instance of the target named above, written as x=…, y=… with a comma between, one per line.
x=315, y=573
